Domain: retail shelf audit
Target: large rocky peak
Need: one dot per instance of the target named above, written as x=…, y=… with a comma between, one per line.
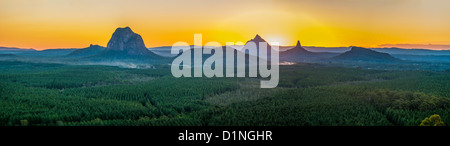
x=124, y=39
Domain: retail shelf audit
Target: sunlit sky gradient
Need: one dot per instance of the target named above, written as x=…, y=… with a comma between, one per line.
x=43, y=24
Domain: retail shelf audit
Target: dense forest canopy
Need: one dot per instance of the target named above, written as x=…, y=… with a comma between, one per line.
x=38, y=94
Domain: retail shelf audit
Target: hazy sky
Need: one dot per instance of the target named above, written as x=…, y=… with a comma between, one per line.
x=45, y=24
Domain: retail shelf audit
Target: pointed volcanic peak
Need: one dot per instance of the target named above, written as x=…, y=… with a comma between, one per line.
x=126, y=41
x=367, y=55
x=257, y=39
x=300, y=54
x=297, y=49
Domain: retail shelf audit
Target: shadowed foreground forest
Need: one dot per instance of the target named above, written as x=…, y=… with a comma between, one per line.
x=40, y=94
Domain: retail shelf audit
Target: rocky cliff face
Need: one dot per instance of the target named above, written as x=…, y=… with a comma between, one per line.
x=125, y=46
x=124, y=39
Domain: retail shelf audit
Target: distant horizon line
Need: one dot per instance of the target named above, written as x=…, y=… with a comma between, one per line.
x=435, y=47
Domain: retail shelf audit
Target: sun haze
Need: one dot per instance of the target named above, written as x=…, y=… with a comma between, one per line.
x=43, y=24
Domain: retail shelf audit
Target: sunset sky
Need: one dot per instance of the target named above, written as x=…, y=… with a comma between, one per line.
x=44, y=24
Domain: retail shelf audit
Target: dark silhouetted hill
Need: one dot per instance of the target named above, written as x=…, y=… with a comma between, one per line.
x=89, y=51
x=125, y=45
x=300, y=54
x=365, y=55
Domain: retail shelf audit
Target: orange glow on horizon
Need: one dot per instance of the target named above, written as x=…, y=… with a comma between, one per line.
x=50, y=24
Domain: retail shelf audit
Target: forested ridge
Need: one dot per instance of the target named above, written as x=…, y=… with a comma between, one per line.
x=39, y=94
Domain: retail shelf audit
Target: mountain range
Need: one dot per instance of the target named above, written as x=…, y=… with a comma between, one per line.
x=128, y=47
x=411, y=51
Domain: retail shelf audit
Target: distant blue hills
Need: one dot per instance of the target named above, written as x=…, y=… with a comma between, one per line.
x=128, y=47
